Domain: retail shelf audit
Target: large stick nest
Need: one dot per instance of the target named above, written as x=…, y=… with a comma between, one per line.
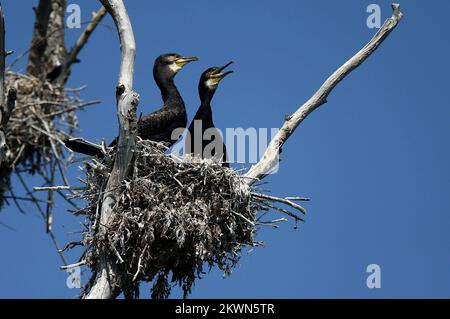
x=172, y=217
x=43, y=116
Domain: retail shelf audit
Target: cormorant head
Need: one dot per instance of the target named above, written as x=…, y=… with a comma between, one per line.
x=209, y=81
x=167, y=65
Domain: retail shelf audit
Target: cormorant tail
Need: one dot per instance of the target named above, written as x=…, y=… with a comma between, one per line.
x=82, y=146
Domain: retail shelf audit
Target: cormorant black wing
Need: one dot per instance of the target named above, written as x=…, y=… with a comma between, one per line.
x=159, y=125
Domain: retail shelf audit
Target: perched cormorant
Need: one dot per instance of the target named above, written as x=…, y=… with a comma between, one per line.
x=159, y=125
x=209, y=145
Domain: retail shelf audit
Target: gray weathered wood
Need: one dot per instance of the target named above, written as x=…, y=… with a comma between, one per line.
x=270, y=158
x=104, y=283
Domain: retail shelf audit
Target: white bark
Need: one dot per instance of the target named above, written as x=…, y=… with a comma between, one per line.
x=270, y=158
x=104, y=285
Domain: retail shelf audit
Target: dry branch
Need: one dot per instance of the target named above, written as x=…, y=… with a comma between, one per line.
x=127, y=100
x=55, y=52
x=48, y=50
x=7, y=103
x=81, y=42
x=271, y=156
x=39, y=42
x=2, y=86
x=56, y=188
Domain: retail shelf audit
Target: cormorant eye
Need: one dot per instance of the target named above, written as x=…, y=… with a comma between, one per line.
x=170, y=60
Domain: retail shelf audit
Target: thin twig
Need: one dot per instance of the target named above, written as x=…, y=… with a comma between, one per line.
x=72, y=108
x=58, y=188
x=81, y=42
x=50, y=196
x=51, y=234
x=281, y=200
x=71, y=245
x=81, y=263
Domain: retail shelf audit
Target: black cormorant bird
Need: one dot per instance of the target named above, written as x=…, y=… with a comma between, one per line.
x=202, y=123
x=159, y=125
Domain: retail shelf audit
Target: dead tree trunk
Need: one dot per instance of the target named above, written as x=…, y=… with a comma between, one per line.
x=39, y=39
x=49, y=57
x=6, y=102
x=55, y=53
x=104, y=286
x=48, y=50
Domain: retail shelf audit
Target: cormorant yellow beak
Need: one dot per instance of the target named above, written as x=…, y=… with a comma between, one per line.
x=217, y=75
x=181, y=62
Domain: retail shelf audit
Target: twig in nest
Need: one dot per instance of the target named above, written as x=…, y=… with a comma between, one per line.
x=282, y=200
x=71, y=245
x=81, y=263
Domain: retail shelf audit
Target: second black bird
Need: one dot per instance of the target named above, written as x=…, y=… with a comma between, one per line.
x=204, y=139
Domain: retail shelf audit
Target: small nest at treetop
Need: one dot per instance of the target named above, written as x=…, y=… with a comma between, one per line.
x=43, y=116
x=172, y=217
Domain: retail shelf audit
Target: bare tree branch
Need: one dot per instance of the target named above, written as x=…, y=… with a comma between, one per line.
x=48, y=50
x=281, y=200
x=38, y=42
x=104, y=283
x=57, y=188
x=2, y=58
x=7, y=106
x=81, y=42
x=2, y=85
x=55, y=52
x=271, y=157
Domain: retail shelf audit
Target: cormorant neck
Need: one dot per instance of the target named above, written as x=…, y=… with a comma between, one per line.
x=206, y=97
x=205, y=112
x=169, y=91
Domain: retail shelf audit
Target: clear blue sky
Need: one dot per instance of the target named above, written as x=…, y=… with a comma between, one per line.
x=375, y=159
